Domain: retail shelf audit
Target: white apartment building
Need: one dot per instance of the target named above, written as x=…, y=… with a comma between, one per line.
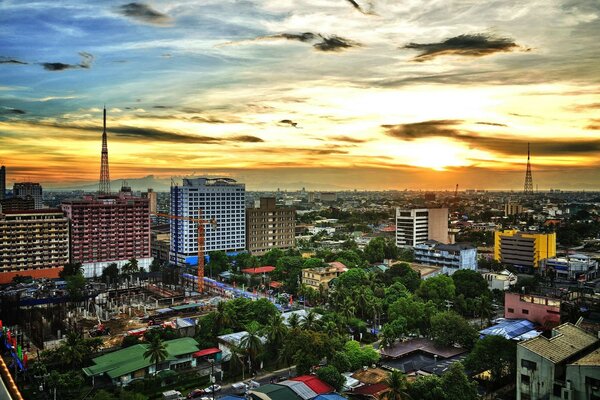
x=419, y=225
x=220, y=198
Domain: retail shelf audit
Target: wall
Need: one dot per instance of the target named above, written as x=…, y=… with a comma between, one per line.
x=544, y=314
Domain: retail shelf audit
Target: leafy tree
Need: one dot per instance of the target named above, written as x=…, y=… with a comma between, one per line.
x=70, y=269
x=394, y=330
x=156, y=352
x=75, y=286
x=110, y=273
x=103, y=395
x=313, y=263
x=427, y=388
x=495, y=354
x=130, y=340
x=304, y=362
x=390, y=250
x=448, y=328
x=456, y=384
x=330, y=375
x=403, y=273
x=341, y=362
x=470, y=283
x=360, y=356
x=406, y=254
x=218, y=262
x=276, y=331
x=397, y=387
x=130, y=267
x=350, y=258
x=310, y=321
x=74, y=350
x=154, y=266
x=417, y=314
x=353, y=278
x=271, y=257
x=437, y=289
x=375, y=250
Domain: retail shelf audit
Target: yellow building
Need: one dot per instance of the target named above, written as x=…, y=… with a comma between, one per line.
x=523, y=249
x=317, y=277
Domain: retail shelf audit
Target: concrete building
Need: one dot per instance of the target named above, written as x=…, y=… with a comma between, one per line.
x=269, y=227
x=523, y=250
x=220, y=198
x=512, y=209
x=502, y=280
x=25, y=189
x=160, y=243
x=565, y=366
x=109, y=229
x=450, y=257
x=17, y=204
x=417, y=226
x=320, y=277
x=544, y=311
x=2, y=182
x=574, y=266
x=33, y=243
x=328, y=197
x=152, y=200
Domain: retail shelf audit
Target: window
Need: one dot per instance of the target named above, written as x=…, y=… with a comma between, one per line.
x=511, y=310
x=525, y=379
x=525, y=311
x=528, y=364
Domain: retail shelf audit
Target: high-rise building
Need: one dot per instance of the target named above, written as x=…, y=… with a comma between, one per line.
x=107, y=229
x=32, y=189
x=523, y=250
x=269, y=227
x=17, y=204
x=152, y=199
x=33, y=243
x=2, y=182
x=450, y=257
x=220, y=198
x=419, y=225
x=512, y=209
x=328, y=197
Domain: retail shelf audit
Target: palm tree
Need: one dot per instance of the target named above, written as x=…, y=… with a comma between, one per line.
x=222, y=317
x=252, y=342
x=156, y=351
x=310, y=322
x=74, y=350
x=484, y=308
x=347, y=308
x=397, y=387
x=275, y=331
x=293, y=321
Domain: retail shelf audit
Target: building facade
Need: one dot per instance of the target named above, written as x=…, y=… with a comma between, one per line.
x=270, y=227
x=502, y=280
x=33, y=243
x=563, y=367
x=450, y=257
x=17, y=204
x=108, y=229
x=317, y=278
x=574, y=266
x=160, y=243
x=524, y=250
x=25, y=189
x=2, y=182
x=512, y=209
x=152, y=200
x=221, y=199
x=417, y=226
x=544, y=311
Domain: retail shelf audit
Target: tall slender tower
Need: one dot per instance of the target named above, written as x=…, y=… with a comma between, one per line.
x=528, y=178
x=104, y=186
x=2, y=182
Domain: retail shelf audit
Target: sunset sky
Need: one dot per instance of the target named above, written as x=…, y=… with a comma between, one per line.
x=333, y=94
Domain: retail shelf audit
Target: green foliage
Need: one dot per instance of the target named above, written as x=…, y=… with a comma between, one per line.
x=75, y=286
x=495, y=354
x=351, y=279
x=271, y=257
x=404, y=274
x=130, y=340
x=156, y=351
x=154, y=266
x=456, y=384
x=438, y=289
x=218, y=262
x=360, y=356
x=252, y=343
x=330, y=375
x=104, y=395
x=416, y=313
x=70, y=269
x=406, y=254
x=477, y=238
x=449, y=328
x=375, y=250
x=110, y=273
x=489, y=264
x=288, y=270
x=470, y=283
x=313, y=263
x=341, y=362
x=427, y=388
x=394, y=330
x=397, y=387
x=314, y=346
x=130, y=267
x=350, y=258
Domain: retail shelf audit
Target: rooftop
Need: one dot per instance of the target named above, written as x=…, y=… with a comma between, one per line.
x=567, y=340
x=592, y=359
x=401, y=349
x=517, y=329
x=259, y=270
x=317, y=385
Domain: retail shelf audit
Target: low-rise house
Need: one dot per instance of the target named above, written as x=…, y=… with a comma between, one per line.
x=232, y=340
x=450, y=257
x=123, y=366
x=502, y=280
x=426, y=271
x=320, y=277
x=574, y=266
x=544, y=311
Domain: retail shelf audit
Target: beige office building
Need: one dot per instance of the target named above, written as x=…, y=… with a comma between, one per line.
x=269, y=227
x=416, y=226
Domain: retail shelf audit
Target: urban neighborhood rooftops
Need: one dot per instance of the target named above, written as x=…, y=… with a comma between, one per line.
x=259, y=270
x=566, y=341
x=514, y=329
x=401, y=349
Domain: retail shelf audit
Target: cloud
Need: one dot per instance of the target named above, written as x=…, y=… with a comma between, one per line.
x=10, y=110
x=7, y=60
x=347, y=139
x=335, y=43
x=360, y=8
x=594, y=126
x=288, y=122
x=472, y=45
x=301, y=37
x=324, y=43
x=86, y=63
x=247, y=139
x=585, y=107
x=144, y=13
x=418, y=130
x=491, y=123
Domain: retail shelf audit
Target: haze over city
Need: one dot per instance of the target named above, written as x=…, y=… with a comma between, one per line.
x=324, y=94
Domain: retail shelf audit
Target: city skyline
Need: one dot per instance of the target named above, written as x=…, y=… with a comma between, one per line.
x=422, y=95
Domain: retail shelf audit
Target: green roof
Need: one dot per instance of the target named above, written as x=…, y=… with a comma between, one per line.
x=275, y=392
x=186, y=306
x=130, y=359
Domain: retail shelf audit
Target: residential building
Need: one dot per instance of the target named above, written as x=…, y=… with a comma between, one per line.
x=109, y=229
x=512, y=209
x=524, y=250
x=25, y=189
x=2, y=182
x=152, y=200
x=426, y=271
x=417, y=226
x=221, y=199
x=502, y=280
x=269, y=227
x=17, y=203
x=320, y=277
x=564, y=366
x=128, y=364
x=33, y=243
x=451, y=257
x=160, y=242
x=544, y=311
x=573, y=266
x=328, y=197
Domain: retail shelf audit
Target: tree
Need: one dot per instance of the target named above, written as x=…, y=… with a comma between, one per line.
x=154, y=266
x=75, y=286
x=397, y=387
x=437, y=289
x=427, y=388
x=276, y=331
x=156, y=352
x=271, y=257
x=130, y=267
x=130, y=340
x=417, y=314
x=341, y=362
x=375, y=250
x=252, y=342
x=403, y=273
x=70, y=269
x=470, y=283
x=294, y=321
x=394, y=330
x=103, y=395
x=360, y=356
x=330, y=375
x=310, y=321
x=448, y=328
x=74, y=350
x=456, y=384
x=495, y=354
x=218, y=262
x=110, y=273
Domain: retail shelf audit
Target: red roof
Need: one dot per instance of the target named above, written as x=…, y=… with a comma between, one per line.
x=206, y=352
x=275, y=284
x=372, y=390
x=317, y=385
x=258, y=270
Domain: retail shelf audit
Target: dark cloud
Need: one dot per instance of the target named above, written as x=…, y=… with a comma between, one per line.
x=247, y=139
x=161, y=107
x=7, y=60
x=360, y=8
x=594, y=126
x=472, y=45
x=86, y=63
x=334, y=43
x=490, y=123
x=586, y=107
x=144, y=13
x=288, y=122
x=301, y=37
x=347, y=139
x=10, y=110
x=510, y=145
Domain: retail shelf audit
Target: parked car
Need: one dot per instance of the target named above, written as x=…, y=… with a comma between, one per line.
x=172, y=395
x=212, y=389
x=239, y=388
x=196, y=394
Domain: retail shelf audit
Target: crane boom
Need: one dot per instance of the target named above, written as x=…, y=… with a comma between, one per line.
x=201, y=222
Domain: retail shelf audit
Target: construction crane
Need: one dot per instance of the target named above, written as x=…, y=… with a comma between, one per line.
x=201, y=222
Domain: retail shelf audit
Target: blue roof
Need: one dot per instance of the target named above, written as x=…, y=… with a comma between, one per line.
x=229, y=397
x=511, y=329
x=329, y=396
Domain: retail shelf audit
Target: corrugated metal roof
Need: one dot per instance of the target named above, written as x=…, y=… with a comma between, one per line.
x=300, y=388
x=510, y=329
x=272, y=391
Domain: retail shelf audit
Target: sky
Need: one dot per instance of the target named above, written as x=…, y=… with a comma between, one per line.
x=340, y=94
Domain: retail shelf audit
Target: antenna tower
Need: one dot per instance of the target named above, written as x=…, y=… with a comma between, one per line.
x=528, y=179
x=104, y=185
